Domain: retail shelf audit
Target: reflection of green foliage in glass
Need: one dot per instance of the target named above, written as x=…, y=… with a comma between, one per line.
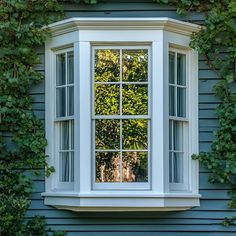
x=107, y=66
x=107, y=134
x=107, y=167
x=134, y=102
x=107, y=99
x=135, y=65
x=135, y=167
x=135, y=134
x=135, y=99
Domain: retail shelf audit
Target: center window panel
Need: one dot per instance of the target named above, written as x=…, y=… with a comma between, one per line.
x=121, y=117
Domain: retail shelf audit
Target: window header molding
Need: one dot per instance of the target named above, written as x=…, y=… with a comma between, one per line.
x=157, y=23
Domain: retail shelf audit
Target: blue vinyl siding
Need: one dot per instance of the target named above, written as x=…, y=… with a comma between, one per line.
x=200, y=221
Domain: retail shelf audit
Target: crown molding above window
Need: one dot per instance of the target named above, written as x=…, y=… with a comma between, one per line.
x=157, y=23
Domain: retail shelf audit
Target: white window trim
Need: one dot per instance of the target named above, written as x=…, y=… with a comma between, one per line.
x=58, y=183
x=162, y=34
x=123, y=186
x=185, y=185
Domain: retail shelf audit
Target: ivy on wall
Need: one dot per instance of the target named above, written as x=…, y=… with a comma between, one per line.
x=22, y=140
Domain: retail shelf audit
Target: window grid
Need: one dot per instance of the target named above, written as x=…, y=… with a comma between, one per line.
x=177, y=154
x=120, y=116
x=64, y=121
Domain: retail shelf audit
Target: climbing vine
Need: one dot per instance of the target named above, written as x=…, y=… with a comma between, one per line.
x=22, y=140
x=217, y=42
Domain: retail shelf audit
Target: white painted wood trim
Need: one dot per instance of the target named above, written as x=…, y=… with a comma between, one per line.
x=156, y=23
x=82, y=34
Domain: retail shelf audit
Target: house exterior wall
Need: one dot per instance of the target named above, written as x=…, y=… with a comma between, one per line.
x=203, y=220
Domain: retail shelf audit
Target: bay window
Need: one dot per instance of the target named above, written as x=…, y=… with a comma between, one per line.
x=121, y=115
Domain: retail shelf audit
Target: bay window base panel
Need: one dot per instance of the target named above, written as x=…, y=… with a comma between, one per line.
x=107, y=204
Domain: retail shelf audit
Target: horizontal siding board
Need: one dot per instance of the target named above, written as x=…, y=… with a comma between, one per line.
x=205, y=147
x=215, y=194
x=152, y=234
x=38, y=98
x=210, y=113
x=127, y=6
x=38, y=106
x=79, y=221
x=206, y=136
x=208, y=98
x=145, y=228
x=207, y=74
x=150, y=13
x=38, y=88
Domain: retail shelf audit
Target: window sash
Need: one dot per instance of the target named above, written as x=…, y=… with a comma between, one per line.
x=120, y=83
x=178, y=157
x=64, y=156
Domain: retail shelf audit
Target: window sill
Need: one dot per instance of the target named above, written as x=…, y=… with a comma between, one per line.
x=102, y=202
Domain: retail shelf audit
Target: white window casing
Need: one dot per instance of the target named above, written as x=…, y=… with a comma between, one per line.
x=73, y=185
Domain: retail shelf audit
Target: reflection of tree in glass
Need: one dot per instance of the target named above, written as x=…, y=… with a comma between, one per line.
x=135, y=65
x=135, y=167
x=134, y=134
x=107, y=99
x=107, y=167
x=135, y=99
x=107, y=65
x=107, y=134
x=134, y=102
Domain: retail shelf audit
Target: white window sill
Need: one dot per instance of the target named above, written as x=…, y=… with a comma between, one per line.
x=102, y=202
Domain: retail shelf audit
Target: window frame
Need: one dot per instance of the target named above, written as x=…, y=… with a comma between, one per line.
x=122, y=186
x=57, y=120
x=82, y=34
x=185, y=120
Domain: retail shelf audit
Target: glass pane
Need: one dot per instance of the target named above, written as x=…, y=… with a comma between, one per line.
x=172, y=68
x=181, y=69
x=72, y=166
x=61, y=69
x=107, y=167
x=170, y=167
x=64, y=167
x=72, y=134
x=135, y=65
x=70, y=100
x=178, y=135
x=107, y=134
x=107, y=65
x=135, y=167
x=64, y=135
x=178, y=168
x=170, y=134
x=135, y=99
x=135, y=134
x=70, y=63
x=107, y=99
x=171, y=100
x=181, y=101
x=61, y=102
